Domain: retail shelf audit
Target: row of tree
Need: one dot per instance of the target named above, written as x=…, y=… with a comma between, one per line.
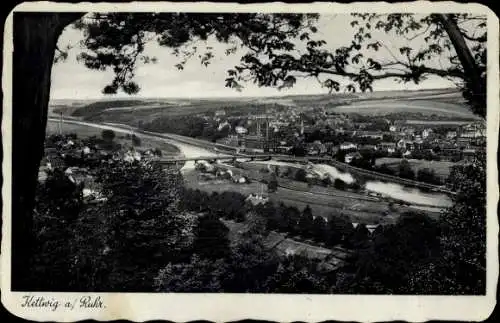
x=144, y=236
x=390, y=260
x=228, y=205
x=367, y=160
x=404, y=170
x=338, y=229
x=188, y=125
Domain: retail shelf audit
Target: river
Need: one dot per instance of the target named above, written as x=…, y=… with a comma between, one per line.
x=186, y=150
x=393, y=190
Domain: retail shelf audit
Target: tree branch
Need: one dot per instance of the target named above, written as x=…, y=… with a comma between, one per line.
x=418, y=34
x=59, y=50
x=423, y=70
x=471, y=38
x=394, y=56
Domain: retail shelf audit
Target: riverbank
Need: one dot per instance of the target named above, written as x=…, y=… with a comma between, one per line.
x=388, y=190
x=358, y=207
x=359, y=211
x=441, y=168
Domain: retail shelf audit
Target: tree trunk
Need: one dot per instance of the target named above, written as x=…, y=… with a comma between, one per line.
x=472, y=72
x=35, y=39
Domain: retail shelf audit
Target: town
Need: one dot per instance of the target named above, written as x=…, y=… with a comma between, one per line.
x=318, y=133
x=328, y=151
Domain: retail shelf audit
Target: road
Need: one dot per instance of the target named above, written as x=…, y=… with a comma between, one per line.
x=193, y=149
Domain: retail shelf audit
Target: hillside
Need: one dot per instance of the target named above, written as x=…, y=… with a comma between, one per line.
x=448, y=102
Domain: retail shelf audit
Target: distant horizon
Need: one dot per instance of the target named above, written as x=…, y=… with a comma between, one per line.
x=136, y=97
x=72, y=80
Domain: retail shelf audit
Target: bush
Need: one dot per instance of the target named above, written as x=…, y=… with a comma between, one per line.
x=428, y=176
x=338, y=229
x=157, y=152
x=405, y=170
x=116, y=245
x=354, y=186
x=385, y=169
x=200, y=167
x=326, y=181
x=136, y=141
x=108, y=135
x=300, y=175
x=272, y=185
x=211, y=238
x=339, y=184
x=286, y=173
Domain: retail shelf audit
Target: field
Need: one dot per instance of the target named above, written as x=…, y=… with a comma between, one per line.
x=386, y=106
x=85, y=131
x=442, y=168
x=438, y=122
x=444, y=102
x=359, y=210
x=66, y=128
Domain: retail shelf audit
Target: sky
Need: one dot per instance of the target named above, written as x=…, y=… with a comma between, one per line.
x=72, y=80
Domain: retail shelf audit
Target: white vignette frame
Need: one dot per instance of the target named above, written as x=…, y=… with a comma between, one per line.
x=182, y=307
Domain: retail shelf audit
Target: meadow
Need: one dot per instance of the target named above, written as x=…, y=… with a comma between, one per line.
x=325, y=203
x=443, y=102
x=442, y=168
x=85, y=131
x=388, y=106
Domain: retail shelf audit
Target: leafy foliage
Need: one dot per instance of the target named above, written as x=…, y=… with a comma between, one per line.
x=405, y=170
x=141, y=225
x=455, y=37
x=385, y=265
x=305, y=223
x=283, y=47
x=428, y=175
x=136, y=141
x=272, y=184
x=141, y=217
x=465, y=227
x=108, y=135
x=117, y=40
x=105, y=245
x=58, y=204
x=300, y=175
x=199, y=275
x=211, y=238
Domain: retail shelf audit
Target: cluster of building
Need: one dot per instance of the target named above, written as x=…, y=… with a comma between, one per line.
x=279, y=131
x=209, y=171
x=77, y=157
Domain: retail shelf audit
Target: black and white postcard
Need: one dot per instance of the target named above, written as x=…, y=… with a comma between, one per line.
x=284, y=162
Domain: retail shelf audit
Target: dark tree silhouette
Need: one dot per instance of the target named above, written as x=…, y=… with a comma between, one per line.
x=108, y=43
x=305, y=225
x=405, y=170
x=211, y=239
x=136, y=141
x=108, y=135
x=428, y=175
x=272, y=184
